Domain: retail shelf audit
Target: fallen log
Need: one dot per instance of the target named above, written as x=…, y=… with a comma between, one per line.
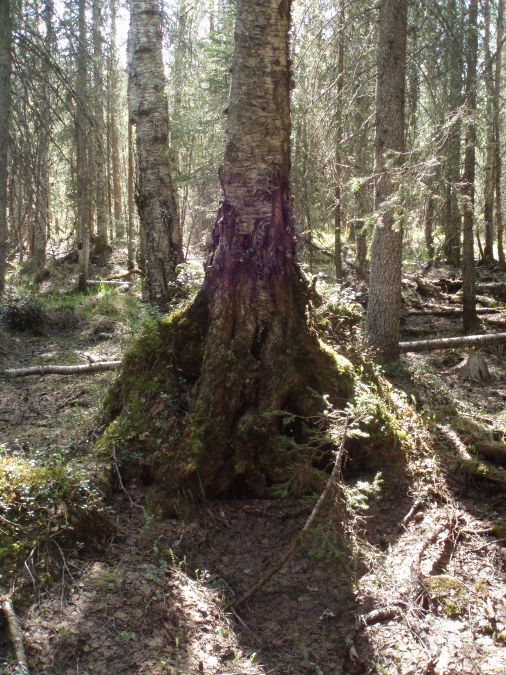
x=15, y=632
x=452, y=342
x=446, y=310
x=107, y=282
x=60, y=370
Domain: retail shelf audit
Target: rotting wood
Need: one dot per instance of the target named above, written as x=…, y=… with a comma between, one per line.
x=452, y=342
x=15, y=632
x=61, y=370
x=300, y=536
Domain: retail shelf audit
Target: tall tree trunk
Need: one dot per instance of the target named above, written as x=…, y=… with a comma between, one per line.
x=488, y=187
x=428, y=226
x=130, y=193
x=382, y=322
x=156, y=198
x=498, y=134
x=114, y=135
x=99, y=131
x=470, y=318
x=338, y=263
x=83, y=201
x=452, y=234
x=41, y=216
x=243, y=347
x=5, y=110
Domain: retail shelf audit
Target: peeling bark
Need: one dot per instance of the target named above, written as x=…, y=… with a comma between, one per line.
x=5, y=108
x=156, y=198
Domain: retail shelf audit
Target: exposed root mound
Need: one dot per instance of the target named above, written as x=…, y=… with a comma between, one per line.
x=199, y=430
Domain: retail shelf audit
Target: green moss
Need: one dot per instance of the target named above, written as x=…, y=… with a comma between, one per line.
x=486, y=471
x=448, y=594
x=47, y=499
x=498, y=529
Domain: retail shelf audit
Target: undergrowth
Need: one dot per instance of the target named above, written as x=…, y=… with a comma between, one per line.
x=49, y=506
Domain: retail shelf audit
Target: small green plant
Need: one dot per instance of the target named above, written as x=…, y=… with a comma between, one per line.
x=23, y=312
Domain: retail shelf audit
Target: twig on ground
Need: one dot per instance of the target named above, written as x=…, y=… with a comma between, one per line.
x=15, y=632
x=120, y=480
x=300, y=536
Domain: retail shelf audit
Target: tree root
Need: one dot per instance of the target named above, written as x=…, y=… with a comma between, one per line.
x=15, y=632
x=300, y=536
x=61, y=370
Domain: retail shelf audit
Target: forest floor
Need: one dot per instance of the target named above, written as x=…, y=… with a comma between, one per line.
x=417, y=585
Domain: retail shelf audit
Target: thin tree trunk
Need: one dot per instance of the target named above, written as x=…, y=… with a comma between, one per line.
x=83, y=207
x=130, y=190
x=452, y=243
x=488, y=188
x=338, y=263
x=498, y=134
x=156, y=197
x=41, y=218
x=119, y=229
x=382, y=322
x=470, y=318
x=99, y=131
x=428, y=226
x=5, y=110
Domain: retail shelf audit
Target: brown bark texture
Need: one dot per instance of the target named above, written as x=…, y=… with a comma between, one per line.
x=253, y=288
x=156, y=197
x=242, y=350
x=5, y=108
x=382, y=323
x=470, y=318
x=498, y=130
x=83, y=196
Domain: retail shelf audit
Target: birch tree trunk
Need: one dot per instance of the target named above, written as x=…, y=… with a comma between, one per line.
x=156, y=198
x=382, y=322
x=470, y=318
x=5, y=109
x=243, y=348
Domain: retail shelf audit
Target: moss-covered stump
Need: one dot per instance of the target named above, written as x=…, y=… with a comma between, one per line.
x=160, y=431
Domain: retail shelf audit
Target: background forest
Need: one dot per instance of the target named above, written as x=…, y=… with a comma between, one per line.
x=283, y=477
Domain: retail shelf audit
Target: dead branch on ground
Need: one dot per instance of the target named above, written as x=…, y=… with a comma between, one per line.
x=61, y=370
x=452, y=342
x=299, y=538
x=15, y=632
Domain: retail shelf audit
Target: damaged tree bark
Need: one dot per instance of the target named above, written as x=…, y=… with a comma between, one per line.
x=243, y=348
